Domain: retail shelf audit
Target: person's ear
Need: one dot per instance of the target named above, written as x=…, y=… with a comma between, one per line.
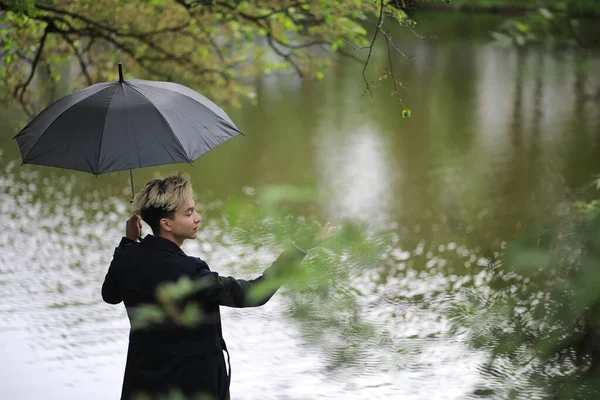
x=165, y=224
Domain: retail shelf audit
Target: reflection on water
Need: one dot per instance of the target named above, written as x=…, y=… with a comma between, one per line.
x=497, y=139
x=55, y=254
x=51, y=306
x=355, y=175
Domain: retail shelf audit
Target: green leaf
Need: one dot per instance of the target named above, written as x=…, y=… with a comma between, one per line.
x=546, y=13
x=191, y=314
x=522, y=27
x=502, y=39
x=406, y=113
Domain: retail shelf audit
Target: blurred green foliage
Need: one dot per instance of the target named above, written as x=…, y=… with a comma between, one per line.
x=545, y=25
x=541, y=318
x=561, y=22
x=569, y=22
x=575, y=6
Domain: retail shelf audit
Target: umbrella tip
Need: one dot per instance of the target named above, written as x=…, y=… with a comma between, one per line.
x=120, y=72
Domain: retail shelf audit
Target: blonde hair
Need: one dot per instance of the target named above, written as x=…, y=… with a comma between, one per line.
x=161, y=197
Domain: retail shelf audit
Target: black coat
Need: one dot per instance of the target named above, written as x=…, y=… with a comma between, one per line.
x=168, y=356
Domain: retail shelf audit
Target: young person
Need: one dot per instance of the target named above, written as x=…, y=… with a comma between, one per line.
x=168, y=356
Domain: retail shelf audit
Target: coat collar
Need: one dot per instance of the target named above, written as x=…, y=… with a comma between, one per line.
x=162, y=244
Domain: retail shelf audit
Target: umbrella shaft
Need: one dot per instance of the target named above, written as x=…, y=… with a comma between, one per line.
x=131, y=179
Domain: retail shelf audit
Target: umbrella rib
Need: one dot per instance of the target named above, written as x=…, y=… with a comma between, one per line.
x=166, y=149
x=191, y=98
x=102, y=133
x=164, y=119
x=137, y=151
x=200, y=122
x=50, y=124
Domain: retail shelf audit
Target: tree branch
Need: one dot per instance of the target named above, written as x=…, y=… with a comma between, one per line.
x=143, y=37
x=377, y=29
x=286, y=57
x=262, y=22
x=82, y=64
x=98, y=25
x=193, y=3
x=108, y=34
x=351, y=56
x=214, y=45
x=389, y=51
x=23, y=87
x=393, y=76
x=390, y=42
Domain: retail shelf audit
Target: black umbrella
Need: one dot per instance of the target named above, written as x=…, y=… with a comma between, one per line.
x=115, y=126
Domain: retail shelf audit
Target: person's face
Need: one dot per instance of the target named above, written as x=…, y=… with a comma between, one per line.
x=185, y=223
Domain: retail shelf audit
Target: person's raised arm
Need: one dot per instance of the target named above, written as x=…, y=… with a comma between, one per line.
x=232, y=292
x=110, y=288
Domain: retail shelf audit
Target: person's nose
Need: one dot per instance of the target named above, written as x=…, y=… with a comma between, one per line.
x=198, y=218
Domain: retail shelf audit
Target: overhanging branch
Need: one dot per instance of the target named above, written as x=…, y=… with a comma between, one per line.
x=377, y=29
x=21, y=89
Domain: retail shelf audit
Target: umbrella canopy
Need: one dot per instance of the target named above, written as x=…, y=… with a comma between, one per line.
x=114, y=126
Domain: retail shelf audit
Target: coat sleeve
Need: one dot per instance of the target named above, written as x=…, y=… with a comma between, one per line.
x=110, y=288
x=232, y=292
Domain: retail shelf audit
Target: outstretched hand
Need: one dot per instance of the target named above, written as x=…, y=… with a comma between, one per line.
x=133, y=228
x=324, y=232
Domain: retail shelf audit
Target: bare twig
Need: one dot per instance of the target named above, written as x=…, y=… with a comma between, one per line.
x=89, y=45
x=348, y=55
x=22, y=56
x=402, y=5
x=82, y=64
x=389, y=38
x=27, y=109
x=393, y=76
x=390, y=61
x=356, y=46
x=415, y=33
x=390, y=42
x=378, y=28
x=285, y=56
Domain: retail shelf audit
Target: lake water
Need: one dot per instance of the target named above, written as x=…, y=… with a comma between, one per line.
x=498, y=140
